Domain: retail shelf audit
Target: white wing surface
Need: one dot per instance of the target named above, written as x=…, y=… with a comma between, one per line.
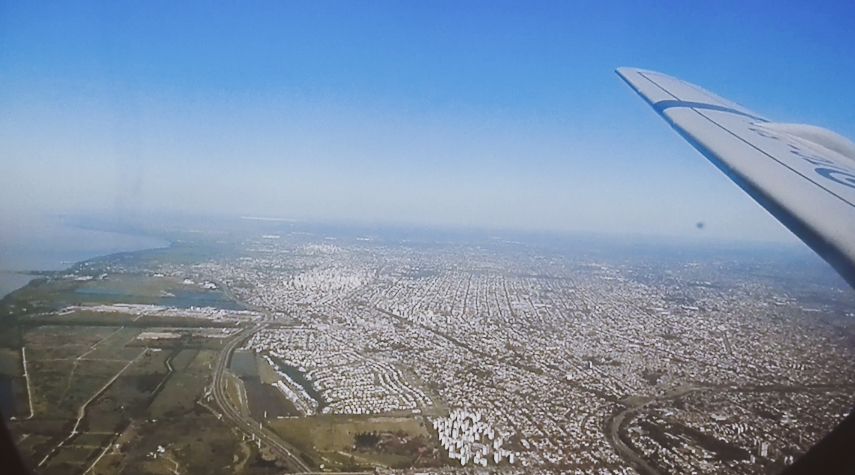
x=803, y=175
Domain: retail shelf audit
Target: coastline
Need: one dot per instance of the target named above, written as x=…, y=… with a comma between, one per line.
x=65, y=247
x=11, y=281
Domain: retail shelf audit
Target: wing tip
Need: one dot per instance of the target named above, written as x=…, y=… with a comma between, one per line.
x=624, y=71
x=628, y=73
x=631, y=77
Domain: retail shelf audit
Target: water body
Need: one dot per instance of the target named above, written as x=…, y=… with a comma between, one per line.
x=186, y=299
x=29, y=244
x=244, y=365
x=11, y=281
x=300, y=378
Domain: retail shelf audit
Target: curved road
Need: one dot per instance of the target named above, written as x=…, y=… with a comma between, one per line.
x=613, y=429
x=613, y=425
x=248, y=425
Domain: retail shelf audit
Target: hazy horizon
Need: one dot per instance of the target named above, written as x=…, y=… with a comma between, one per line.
x=52, y=244
x=486, y=115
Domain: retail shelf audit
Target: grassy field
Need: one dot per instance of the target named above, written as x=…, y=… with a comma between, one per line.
x=187, y=384
x=68, y=460
x=94, y=440
x=235, y=392
x=59, y=387
x=134, y=285
x=266, y=373
x=86, y=318
x=331, y=440
x=129, y=396
x=138, y=393
x=40, y=295
x=114, y=346
x=10, y=362
x=82, y=318
x=122, y=382
x=196, y=443
x=81, y=338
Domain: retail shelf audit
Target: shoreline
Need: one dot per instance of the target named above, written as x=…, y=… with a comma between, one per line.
x=30, y=264
x=11, y=281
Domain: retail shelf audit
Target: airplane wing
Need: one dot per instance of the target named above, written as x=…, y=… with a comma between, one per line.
x=803, y=175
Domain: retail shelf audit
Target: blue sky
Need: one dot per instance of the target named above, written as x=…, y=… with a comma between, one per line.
x=498, y=114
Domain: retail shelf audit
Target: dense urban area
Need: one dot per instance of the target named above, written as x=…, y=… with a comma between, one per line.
x=314, y=351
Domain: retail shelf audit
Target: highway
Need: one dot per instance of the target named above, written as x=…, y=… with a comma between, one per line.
x=284, y=451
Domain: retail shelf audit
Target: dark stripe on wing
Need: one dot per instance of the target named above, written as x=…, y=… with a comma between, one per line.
x=661, y=106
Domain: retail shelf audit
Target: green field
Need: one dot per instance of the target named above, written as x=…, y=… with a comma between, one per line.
x=132, y=394
x=331, y=440
x=120, y=380
x=187, y=384
x=141, y=402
